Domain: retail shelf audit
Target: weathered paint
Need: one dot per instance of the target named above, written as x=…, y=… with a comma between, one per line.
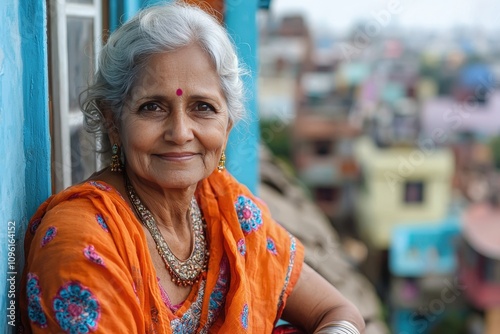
x=12, y=188
x=243, y=148
x=24, y=130
x=37, y=147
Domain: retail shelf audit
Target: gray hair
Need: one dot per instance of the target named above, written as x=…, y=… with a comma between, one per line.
x=153, y=30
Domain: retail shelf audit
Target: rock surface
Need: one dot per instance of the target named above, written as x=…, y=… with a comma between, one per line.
x=298, y=214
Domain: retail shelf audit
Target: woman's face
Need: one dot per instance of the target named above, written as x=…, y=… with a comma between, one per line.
x=175, y=122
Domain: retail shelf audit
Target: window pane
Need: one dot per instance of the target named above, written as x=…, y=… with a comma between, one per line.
x=414, y=192
x=80, y=41
x=80, y=57
x=81, y=1
x=83, y=154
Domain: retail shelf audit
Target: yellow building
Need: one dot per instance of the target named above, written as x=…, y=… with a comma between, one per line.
x=401, y=185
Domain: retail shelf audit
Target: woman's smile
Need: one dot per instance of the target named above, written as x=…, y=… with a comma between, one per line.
x=177, y=156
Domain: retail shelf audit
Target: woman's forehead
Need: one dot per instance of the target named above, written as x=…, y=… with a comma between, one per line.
x=185, y=69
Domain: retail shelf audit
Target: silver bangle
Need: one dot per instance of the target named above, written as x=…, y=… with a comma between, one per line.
x=337, y=327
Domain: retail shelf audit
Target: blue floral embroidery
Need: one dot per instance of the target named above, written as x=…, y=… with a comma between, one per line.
x=271, y=246
x=244, y=317
x=92, y=255
x=102, y=222
x=190, y=320
x=218, y=295
x=34, y=225
x=242, y=247
x=49, y=235
x=249, y=214
x=100, y=186
x=76, y=309
x=33, y=293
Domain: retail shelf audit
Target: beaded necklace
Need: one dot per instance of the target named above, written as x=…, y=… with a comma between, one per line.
x=183, y=273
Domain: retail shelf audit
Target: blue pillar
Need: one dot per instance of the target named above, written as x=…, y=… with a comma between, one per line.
x=243, y=147
x=24, y=136
x=37, y=147
x=121, y=11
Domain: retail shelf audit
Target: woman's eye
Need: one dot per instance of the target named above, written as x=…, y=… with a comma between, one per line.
x=202, y=106
x=150, y=107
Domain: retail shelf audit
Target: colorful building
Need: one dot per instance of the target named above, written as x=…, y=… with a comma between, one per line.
x=401, y=185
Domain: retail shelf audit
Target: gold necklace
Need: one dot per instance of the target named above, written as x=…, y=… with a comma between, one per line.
x=183, y=273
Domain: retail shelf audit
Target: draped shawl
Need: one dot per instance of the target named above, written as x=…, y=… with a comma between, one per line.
x=88, y=267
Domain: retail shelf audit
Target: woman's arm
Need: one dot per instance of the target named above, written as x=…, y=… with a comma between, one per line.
x=314, y=304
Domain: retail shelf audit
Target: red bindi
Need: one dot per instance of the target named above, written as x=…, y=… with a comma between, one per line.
x=178, y=92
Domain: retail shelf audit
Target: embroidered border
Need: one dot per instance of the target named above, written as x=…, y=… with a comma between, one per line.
x=244, y=317
x=190, y=320
x=293, y=249
x=218, y=295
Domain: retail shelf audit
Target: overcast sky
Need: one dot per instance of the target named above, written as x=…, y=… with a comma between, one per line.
x=435, y=14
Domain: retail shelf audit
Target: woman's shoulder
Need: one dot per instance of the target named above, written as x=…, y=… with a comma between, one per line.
x=79, y=206
x=86, y=194
x=98, y=186
x=75, y=206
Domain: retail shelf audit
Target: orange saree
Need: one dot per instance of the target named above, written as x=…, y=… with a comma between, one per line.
x=88, y=268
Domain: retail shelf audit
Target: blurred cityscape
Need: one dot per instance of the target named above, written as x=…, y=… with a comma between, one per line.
x=395, y=135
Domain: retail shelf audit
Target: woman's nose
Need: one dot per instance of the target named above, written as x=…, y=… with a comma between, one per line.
x=179, y=128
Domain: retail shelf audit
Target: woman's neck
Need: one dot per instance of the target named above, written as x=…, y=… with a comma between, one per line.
x=169, y=207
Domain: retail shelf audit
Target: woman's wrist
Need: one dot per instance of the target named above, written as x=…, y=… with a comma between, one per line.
x=337, y=327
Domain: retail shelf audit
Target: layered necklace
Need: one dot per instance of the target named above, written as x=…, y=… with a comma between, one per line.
x=183, y=273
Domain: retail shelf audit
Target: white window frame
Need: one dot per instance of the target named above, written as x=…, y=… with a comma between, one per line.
x=63, y=117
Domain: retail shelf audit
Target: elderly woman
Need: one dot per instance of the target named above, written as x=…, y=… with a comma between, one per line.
x=165, y=240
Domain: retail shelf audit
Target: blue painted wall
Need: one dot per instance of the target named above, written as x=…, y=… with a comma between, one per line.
x=240, y=18
x=122, y=10
x=24, y=132
x=243, y=147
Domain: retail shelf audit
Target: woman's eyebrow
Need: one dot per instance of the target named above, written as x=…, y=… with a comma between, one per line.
x=152, y=97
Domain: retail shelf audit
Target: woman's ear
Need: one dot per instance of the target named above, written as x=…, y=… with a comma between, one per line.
x=228, y=129
x=111, y=126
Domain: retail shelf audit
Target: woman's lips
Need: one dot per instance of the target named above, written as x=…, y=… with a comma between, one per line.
x=177, y=156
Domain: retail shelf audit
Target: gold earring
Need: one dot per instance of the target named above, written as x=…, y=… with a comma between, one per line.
x=222, y=162
x=116, y=165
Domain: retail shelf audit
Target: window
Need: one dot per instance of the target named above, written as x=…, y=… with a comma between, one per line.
x=327, y=194
x=414, y=192
x=322, y=147
x=75, y=39
x=492, y=271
